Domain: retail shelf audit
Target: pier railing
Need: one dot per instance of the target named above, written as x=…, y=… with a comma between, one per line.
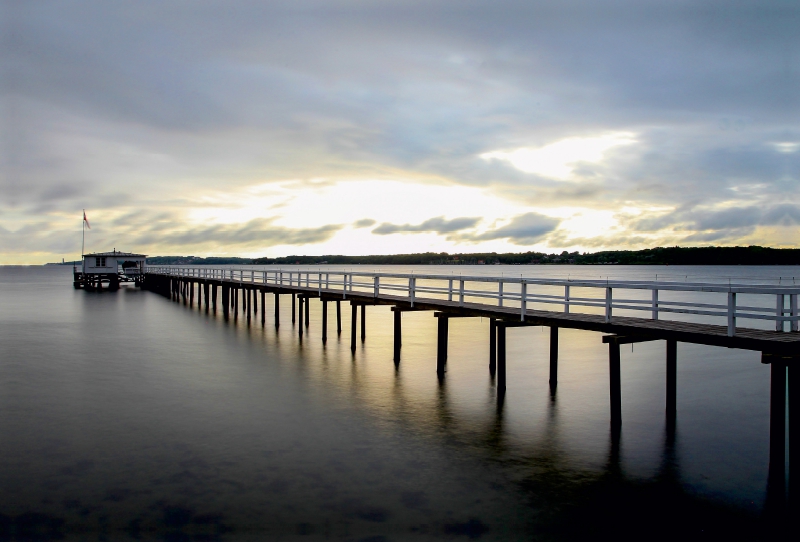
x=764, y=302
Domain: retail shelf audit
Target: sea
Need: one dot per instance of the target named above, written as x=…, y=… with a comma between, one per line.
x=127, y=416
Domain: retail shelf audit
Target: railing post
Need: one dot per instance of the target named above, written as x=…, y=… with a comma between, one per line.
x=500, y=294
x=566, y=299
x=450, y=290
x=523, y=300
x=351, y=282
x=608, y=304
x=327, y=280
x=412, y=284
x=655, y=304
x=344, y=285
x=461, y=293
x=376, y=286
x=779, y=303
x=793, y=310
x=731, y=314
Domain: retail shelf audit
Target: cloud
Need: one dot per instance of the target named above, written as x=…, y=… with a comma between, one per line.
x=697, y=218
x=436, y=225
x=523, y=230
x=117, y=108
x=364, y=223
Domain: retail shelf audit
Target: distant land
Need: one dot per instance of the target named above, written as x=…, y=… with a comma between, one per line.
x=752, y=255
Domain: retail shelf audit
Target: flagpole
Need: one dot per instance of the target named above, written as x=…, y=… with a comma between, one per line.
x=83, y=232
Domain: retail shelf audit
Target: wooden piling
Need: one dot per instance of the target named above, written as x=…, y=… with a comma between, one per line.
x=277, y=309
x=398, y=335
x=441, y=344
x=338, y=317
x=363, y=323
x=324, y=321
x=553, y=357
x=492, y=345
x=249, y=304
x=501, y=358
x=794, y=437
x=353, y=327
x=300, y=303
x=294, y=296
x=615, y=392
x=263, y=308
x=214, y=297
x=308, y=307
x=672, y=385
x=776, y=482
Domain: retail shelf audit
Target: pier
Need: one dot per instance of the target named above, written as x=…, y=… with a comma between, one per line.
x=625, y=312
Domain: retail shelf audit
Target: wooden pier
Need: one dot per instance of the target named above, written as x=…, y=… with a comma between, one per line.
x=624, y=311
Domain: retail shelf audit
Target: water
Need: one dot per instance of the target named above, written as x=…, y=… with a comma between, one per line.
x=128, y=416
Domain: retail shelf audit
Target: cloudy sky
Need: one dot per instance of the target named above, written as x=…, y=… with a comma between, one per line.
x=361, y=127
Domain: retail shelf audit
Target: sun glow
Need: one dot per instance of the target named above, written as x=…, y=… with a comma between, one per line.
x=559, y=159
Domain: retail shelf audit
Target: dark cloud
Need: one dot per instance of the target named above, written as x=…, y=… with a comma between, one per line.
x=435, y=225
x=728, y=220
x=364, y=223
x=527, y=229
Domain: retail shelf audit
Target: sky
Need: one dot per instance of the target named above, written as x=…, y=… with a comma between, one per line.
x=259, y=128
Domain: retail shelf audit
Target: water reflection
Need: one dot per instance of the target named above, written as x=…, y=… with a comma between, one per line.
x=204, y=413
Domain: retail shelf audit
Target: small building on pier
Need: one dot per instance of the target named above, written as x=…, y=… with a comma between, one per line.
x=111, y=268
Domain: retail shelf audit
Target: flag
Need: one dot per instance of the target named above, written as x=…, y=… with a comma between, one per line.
x=86, y=220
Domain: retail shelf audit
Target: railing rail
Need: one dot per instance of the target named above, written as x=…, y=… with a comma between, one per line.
x=521, y=292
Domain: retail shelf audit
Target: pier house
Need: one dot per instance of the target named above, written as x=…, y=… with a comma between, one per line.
x=111, y=268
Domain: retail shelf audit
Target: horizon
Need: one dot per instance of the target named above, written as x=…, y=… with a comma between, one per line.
x=262, y=129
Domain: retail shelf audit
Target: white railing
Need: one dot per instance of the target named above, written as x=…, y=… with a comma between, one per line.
x=781, y=302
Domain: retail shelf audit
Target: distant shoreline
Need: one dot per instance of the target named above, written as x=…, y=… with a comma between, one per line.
x=752, y=255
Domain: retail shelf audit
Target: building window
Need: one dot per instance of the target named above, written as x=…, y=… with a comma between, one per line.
x=97, y=262
x=100, y=262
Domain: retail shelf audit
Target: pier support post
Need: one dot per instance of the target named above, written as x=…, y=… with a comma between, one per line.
x=300, y=303
x=794, y=437
x=263, y=307
x=293, y=309
x=353, y=323
x=236, y=303
x=501, y=358
x=214, y=297
x=249, y=304
x=553, y=358
x=191, y=293
x=615, y=386
x=398, y=335
x=277, y=309
x=255, y=301
x=672, y=385
x=363, y=323
x=338, y=317
x=226, y=292
x=324, y=321
x=308, y=306
x=492, y=346
x=441, y=344
x=776, y=485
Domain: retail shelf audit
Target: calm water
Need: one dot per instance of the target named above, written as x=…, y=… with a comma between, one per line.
x=126, y=415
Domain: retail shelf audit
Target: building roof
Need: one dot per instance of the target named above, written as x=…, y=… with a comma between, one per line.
x=115, y=253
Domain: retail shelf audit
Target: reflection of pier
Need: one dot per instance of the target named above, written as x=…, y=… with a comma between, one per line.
x=514, y=302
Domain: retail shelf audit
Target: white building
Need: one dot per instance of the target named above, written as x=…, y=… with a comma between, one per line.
x=110, y=267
